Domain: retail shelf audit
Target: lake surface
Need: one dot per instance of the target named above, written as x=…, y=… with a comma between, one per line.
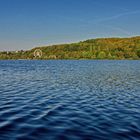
x=69, y=100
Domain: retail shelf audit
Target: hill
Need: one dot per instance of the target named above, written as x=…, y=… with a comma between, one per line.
x=100, y=48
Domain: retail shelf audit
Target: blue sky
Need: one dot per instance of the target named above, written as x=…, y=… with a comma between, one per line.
x=25, y=24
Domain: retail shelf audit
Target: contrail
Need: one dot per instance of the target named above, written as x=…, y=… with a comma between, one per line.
x=117, y=16
x=119, y=29
x=99, y=21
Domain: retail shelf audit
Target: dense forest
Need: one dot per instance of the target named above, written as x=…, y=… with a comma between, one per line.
x=101, y=48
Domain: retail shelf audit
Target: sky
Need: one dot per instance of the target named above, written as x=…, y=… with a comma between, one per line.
x=25, y=24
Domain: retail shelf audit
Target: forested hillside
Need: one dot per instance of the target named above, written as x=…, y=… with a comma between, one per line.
x=101, y=48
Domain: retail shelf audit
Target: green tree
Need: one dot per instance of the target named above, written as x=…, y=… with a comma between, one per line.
x=138, y=53
x=101, y=55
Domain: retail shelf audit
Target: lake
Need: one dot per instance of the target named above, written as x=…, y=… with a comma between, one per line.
x=69, y=100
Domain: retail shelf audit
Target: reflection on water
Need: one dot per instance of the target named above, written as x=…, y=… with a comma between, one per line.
x=81, y=100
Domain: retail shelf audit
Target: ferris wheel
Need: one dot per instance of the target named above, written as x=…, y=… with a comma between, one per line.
x=38, y=53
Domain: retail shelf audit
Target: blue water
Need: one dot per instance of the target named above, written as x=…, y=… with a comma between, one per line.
x=69, y=100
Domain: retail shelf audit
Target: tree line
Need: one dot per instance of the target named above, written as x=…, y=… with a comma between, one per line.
x=101, y=48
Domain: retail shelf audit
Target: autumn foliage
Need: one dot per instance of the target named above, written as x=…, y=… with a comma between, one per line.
x=101, y=48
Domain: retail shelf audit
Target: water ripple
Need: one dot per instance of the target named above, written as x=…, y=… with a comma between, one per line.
x=70, y=100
